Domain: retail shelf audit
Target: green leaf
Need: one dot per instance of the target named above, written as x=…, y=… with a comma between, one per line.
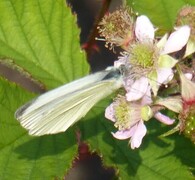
x=26, y=157
x=161, y=12
x=41, y=36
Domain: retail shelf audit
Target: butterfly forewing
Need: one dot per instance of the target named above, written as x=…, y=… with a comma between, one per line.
x=54, y=94
x=57, y=110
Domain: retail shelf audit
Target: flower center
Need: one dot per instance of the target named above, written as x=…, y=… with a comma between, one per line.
x=142, y=55
x=117, y=28
x=122, y=114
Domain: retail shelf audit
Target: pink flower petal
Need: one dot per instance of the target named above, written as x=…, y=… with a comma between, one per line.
x=138, y=89
x=177, y=40
x=137, y=137
x=109, y=113
x=146, y=99
x=144, y=29
x=164, y=119
x=188, y=76
x=164, y=75
x=124, y=134
x=127, y=83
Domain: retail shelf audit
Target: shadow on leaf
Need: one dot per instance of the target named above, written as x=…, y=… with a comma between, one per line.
x=48, y=145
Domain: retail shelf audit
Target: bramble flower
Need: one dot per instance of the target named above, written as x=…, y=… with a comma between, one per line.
x=148, y=62
x=129, y=118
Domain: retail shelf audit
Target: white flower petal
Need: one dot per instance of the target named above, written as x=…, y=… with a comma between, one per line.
x=127, y=83
x=124, y=134
x=147, y=97
x=138, y=89
x=164, y=75
x=109, y=113
x=144, y=29
x=164, y=119
x=188, y=76
x=137, y=137
x=177, y=40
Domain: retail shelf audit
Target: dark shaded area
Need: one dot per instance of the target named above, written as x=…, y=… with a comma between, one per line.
x=88, y=166
x=87, y=12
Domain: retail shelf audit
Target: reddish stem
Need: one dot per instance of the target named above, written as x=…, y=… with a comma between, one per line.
x=91, y=43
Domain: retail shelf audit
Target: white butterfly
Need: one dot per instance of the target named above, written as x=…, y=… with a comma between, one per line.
x=56, y=110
